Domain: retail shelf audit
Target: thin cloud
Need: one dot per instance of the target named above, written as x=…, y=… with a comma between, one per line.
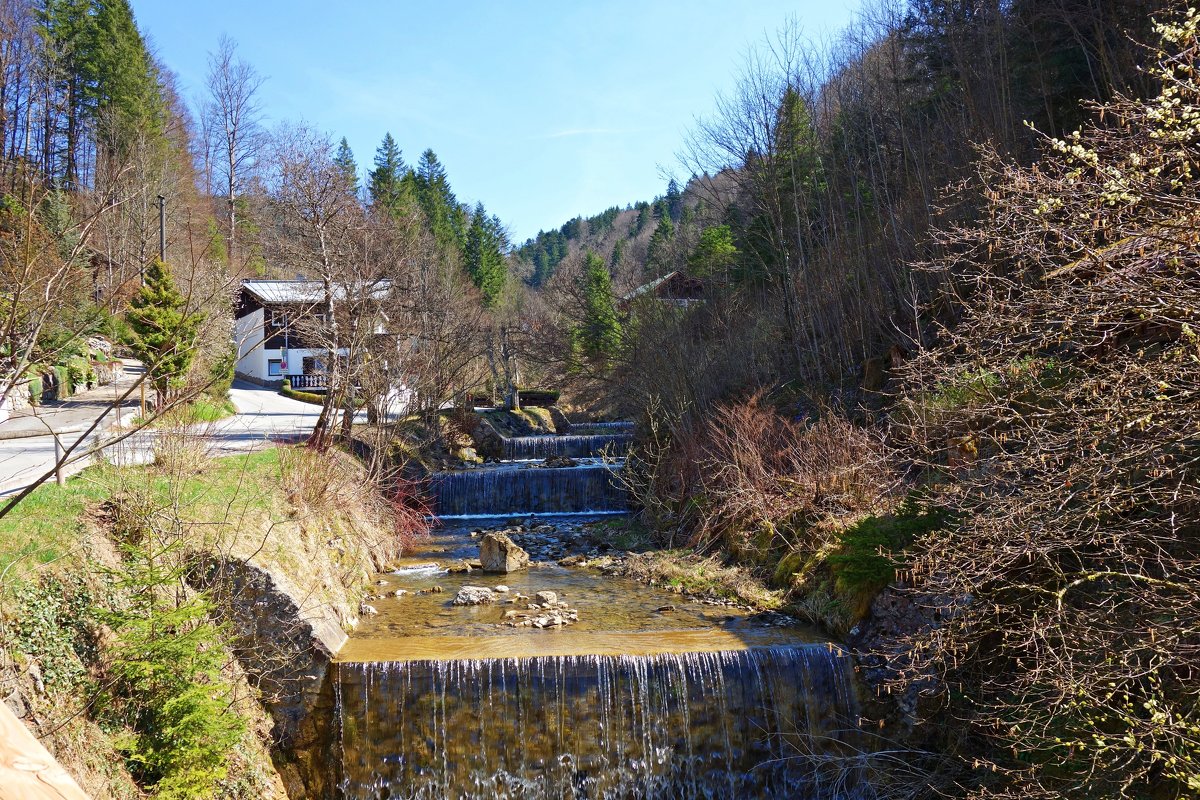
x=587, y=132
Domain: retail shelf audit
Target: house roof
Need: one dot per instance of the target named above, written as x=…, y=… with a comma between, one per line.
x=680, y=285
x=646, y=288
x=302, y=291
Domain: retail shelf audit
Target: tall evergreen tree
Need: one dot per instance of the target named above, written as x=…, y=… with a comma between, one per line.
x=484, y=255
x=446, y=219
x=674, y=201
x=600, y=333
x=390, y=182
x=344, y=159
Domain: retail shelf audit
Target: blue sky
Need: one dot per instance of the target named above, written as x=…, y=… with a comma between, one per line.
x=542, y=110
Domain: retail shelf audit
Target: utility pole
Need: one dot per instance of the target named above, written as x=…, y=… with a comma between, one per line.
x=162, y=229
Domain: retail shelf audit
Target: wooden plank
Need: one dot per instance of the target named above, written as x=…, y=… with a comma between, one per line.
x=27, y=770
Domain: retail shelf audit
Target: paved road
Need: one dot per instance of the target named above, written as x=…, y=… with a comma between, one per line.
x=263, y=416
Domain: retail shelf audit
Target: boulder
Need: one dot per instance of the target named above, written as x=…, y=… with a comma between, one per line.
x=546, y=598
x=498, y=553
x=474, y=596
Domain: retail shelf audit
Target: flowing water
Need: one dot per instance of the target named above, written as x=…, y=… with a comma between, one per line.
x=728, y=724
x=647, y=696
x=521, y=448
x=526, y=489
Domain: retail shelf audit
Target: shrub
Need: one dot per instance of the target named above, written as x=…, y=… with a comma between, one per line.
x=751, y=480
x=35, y=390
x=64, y=387
x=304, y=397
x=165, y=667
x=871, y=549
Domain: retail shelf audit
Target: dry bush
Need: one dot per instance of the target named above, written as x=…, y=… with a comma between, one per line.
x=748, y=479
x=324, y=485
x=1064, y=411
x=411, y=510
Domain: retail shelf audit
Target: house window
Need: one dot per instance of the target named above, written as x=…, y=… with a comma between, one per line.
x=274, y=367
x=278, y=318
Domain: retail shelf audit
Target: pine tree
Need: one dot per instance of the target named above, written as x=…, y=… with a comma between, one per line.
x=446, y=219
x=389, y=183
x=600, y=333
x=344, y=159
x=715, y=254
x=658, y=254
x=674, y=201
x=484, y=255
x=164, y=332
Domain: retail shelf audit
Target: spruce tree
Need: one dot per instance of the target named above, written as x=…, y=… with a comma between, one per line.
x=447, y=220
x=344, y=160
x=715, y=254
x=484, y=255
x=389, y=183
x=600, y=334
x=164, y=333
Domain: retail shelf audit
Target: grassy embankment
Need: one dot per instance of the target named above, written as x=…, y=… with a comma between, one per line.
x=115, y=661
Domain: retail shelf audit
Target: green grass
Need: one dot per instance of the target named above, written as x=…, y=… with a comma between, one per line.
x=201, y=410
x=207, y=409
x=48, y=525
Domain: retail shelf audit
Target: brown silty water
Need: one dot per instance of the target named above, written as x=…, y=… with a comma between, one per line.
x=647, y=696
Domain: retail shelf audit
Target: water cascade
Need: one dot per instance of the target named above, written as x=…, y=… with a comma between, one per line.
x=601, y=427
x=772, y=722
x=645, y=695
x=511, y=490
x=520, y=448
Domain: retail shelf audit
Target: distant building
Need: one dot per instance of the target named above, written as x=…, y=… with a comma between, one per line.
x=675, y=288
x=273, y=328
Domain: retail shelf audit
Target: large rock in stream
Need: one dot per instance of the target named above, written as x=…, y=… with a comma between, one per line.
x=498, y=553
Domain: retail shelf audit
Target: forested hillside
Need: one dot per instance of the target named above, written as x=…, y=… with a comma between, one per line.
x=940, y=384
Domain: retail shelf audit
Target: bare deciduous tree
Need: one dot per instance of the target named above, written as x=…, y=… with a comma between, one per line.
x=232, y=121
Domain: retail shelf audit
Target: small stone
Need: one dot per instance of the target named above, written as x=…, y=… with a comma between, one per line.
x=437, y=590
x=546, y=598
x=381, y=582
x=664, y=609
x=502, y=589
x=400, y=592
x=367, y=610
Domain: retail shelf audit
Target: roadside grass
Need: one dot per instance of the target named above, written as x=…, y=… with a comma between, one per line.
x=47, y=530
x=45, y=527
x=202, y=410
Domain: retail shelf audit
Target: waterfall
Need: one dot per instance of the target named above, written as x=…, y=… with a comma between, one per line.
x=771, y=722
x=530, y=447
x=602, y=427
x=509, y=490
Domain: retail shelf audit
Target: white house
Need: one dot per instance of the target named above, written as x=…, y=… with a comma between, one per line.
x=272, y=321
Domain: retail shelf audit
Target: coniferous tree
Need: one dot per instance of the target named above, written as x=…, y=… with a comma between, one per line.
x=390, y=182
x=165, y=331
x=600, y=333
x=715, y=254
x=484, y=255
x=344, y=159
x=446, y=219
x=659, y=253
